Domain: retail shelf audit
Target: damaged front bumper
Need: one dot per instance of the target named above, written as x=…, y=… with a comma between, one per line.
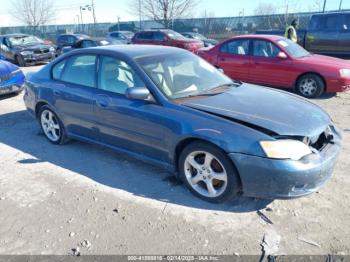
x=282, y=179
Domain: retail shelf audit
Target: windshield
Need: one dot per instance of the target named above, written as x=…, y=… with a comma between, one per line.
x=25, y=40
x=175, y=35
x=182, y=75
x=292, y=48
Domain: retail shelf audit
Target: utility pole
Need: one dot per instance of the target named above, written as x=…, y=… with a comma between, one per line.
x=324, y=6
x=140, y=16
x=81, y=18
x=340, y=4
x=93, y=14
x=118, y=23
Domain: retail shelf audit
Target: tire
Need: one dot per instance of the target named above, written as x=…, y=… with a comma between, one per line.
x=198, y=175
x=310, y=86
x=20, y=61
x=51, y=126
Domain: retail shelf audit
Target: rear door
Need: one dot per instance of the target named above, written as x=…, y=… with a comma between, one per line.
x=235, y=60
x=323, y=34
x=73, y=88
x=267, y=68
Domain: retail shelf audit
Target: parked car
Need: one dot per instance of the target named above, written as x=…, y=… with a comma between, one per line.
x=327, y=34
x=84, y=43
x=25, y=49
x=171, y=108
x=67, y=40
x=11, y=78
x=120, y=37
x=166, y=38
x=278, y=62
x=206, y=41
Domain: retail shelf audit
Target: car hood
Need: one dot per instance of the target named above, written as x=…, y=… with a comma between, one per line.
x=270, y=111
x=6, y=67
x=325, y=60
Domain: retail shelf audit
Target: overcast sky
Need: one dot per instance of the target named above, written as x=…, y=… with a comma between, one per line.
x=109, y=10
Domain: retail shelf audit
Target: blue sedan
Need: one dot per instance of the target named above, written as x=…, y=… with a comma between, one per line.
x=11, y=78
x=169, y=107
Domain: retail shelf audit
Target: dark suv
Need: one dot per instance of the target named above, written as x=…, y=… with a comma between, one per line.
x=25, y=49
x=68, y=40
x=166, y=38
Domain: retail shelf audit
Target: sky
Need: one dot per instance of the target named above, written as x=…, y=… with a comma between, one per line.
x=110, y=10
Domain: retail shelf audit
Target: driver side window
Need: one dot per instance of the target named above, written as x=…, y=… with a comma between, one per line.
x=117, y=76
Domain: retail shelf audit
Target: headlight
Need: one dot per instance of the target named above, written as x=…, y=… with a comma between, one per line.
x=285, y=149
x=344, y=72
x=52, y=49
x=26, y=53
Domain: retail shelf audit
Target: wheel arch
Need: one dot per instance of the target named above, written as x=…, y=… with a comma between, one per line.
x=181, y=145
x=310, y=73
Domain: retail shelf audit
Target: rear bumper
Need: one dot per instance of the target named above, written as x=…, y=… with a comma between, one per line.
x=283, y=179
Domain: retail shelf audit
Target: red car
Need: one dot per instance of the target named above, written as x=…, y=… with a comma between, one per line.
x=278, y=62
x=166, y=38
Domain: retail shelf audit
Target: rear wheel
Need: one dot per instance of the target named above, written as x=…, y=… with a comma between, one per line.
x=310, y=86
x=51, y=126
x=208, y=172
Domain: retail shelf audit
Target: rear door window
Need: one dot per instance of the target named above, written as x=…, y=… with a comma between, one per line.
x=236, y=47
x=80, y=70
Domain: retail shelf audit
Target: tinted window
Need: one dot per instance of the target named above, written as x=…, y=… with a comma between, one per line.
x=58, y=69
x=70, y=40
x=117, y=76
x=326, y=23
x=116, y=35
x=88, y=43
x=145, y=35
x=158, y=36
x=236, y=47
x=265, y=49
x=80, y=70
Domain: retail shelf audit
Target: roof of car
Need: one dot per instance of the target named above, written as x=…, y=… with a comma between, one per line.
x=266, y=37
x=14, y=35
x=136, y=51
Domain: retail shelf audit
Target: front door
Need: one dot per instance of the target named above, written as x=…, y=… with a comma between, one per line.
x=132, y=125
x=267, y=68
x=234, y=59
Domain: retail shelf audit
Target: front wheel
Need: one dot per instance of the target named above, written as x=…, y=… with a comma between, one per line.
x=208, y=172
x=51, y=126
x=310, y=86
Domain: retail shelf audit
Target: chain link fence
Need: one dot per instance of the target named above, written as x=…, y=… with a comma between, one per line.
x=218, y=28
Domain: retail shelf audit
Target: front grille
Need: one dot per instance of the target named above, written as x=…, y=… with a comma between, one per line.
x=41, y=51
x=4, y=78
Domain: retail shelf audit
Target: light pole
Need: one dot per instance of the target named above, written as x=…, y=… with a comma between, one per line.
x=340, y=4
x=324, y=5
x=81, y=18
x=118, y=23
x=78, y=24
x=88, y=8
x=140, y=16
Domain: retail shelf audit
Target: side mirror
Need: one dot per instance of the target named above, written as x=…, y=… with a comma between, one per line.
x=138, y=93
x=3, y=48
x=282, y=55
x=221, y=70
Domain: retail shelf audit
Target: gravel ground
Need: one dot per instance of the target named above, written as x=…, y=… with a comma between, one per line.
x=55, y=199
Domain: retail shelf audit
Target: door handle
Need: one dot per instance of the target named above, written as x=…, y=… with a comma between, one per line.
x=56, y=92
x=221, y=59
x=102, y=101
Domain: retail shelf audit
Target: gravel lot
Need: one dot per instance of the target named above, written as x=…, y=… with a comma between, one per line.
x=56, y=198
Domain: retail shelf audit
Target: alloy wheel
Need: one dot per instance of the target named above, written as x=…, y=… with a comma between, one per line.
x=308, y=87
x=205, y=174
x=50, y=125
